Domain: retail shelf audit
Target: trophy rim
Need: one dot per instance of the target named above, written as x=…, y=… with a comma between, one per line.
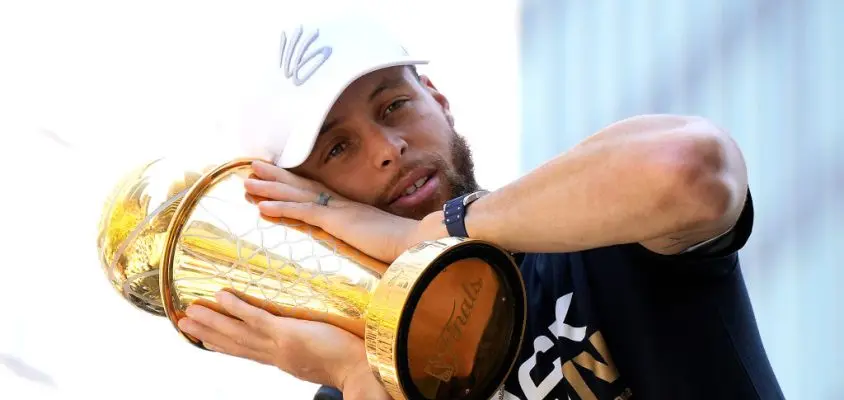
x=392, y=373
x=180, y=217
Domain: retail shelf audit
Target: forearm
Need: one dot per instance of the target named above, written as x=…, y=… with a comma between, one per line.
x=634, y=181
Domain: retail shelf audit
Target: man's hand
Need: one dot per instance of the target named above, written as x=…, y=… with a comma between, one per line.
x=311, y=351
x=375, y=232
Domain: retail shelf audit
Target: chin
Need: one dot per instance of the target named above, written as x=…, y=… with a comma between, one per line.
x=439, y=201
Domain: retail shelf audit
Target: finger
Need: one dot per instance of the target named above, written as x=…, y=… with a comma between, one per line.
x=277, y=191
x=254, y=199
x=249, y=197
x=270, y=172
x=218, y=342
x=265, y=170
x=309, y=213
x=240, y=352
x=254, y=317
x=237, y=330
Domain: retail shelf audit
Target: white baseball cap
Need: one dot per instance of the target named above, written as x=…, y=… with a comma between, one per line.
x=292, y=74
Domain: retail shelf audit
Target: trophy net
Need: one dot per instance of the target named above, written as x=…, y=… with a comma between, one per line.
x=289, y=268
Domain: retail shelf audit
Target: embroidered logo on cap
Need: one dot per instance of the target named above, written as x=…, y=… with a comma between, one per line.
x=298, y=63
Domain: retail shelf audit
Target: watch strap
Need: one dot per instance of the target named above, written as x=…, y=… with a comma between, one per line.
x=454, y=213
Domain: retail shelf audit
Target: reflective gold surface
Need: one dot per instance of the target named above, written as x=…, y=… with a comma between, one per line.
x=134, y=225
x=444, y=321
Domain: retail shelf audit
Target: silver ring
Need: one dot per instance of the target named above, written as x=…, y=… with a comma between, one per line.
x=323, y=198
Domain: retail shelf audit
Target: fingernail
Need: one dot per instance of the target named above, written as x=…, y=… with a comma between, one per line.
x=212, y=347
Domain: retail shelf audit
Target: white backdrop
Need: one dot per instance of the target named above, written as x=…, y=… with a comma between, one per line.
x=88, y=89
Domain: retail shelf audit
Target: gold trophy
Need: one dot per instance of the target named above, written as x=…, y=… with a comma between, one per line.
x=444, y=321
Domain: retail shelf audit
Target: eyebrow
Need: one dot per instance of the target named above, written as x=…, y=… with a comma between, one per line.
x=390, y=82
x=328, y=125
x=386, y=83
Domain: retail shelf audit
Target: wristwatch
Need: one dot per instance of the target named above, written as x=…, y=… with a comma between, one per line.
x=454, y=212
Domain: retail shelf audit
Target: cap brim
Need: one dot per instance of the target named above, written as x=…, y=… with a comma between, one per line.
x=301, y=141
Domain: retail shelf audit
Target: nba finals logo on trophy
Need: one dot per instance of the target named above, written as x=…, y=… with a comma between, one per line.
x=444, y=321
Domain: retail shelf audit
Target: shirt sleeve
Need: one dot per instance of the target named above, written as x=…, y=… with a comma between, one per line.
x=731, y=242
x=715, y=257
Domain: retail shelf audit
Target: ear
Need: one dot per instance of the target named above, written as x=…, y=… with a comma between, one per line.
x=439, y=97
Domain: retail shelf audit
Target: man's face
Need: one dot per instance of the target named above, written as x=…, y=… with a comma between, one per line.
x=389, y=142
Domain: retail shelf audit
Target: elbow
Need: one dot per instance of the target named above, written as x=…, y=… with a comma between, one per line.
x=703, y=183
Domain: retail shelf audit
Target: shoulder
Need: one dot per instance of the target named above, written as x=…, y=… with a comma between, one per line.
x=547, y=273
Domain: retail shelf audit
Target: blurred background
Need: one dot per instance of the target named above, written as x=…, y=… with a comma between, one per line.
x=91, y=88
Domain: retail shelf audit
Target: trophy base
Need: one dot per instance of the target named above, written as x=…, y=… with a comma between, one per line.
x=446, y=321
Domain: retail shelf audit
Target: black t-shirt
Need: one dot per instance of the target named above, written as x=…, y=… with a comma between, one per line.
x=622, y=322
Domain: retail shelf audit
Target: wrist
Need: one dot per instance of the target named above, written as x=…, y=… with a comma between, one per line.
x=431, y=227
x=361, y=384
x=457, y=210
x=477, y=225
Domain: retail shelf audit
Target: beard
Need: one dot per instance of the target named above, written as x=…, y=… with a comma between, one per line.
x=461, y=179
x=458, y=173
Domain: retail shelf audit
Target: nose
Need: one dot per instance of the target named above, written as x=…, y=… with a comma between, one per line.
x=386, y=147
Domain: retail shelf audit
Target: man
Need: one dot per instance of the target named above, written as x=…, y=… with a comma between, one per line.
x=627, y=242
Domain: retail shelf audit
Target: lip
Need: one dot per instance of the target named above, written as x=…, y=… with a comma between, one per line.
x=421, y=194
x=410, y=179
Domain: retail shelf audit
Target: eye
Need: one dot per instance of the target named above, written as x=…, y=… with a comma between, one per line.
x=394, y=106
x=337, y=150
